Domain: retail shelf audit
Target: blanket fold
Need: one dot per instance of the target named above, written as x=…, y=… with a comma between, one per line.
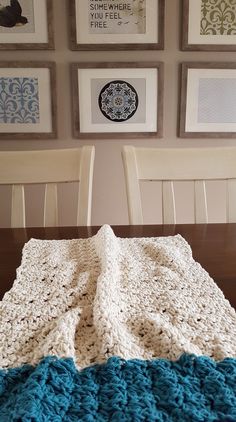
x=91, y=299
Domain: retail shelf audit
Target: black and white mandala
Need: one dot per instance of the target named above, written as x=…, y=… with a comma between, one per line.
x=118, y=101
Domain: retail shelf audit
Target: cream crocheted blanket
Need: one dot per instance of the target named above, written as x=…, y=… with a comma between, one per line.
x=94, y=298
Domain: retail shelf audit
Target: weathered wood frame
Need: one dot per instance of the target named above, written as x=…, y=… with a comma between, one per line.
x=117, y=46
x=183, y=99
x=36, y=135
x=36, y=46
x=185, y=46
x=115, y=135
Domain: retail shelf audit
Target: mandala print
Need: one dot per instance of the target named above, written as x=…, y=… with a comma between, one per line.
x=218, y=17
x=118, y=101
x=19, y=100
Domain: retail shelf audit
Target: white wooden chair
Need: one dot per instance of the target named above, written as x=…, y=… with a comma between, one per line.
x=182, y=164
x=19, y=168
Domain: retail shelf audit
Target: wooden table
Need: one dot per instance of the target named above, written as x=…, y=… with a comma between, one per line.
x=213, y=245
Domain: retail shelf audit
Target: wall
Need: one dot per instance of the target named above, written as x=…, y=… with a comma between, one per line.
x=109, y=199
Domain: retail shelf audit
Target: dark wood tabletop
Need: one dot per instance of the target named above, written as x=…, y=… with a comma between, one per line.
x=213, y=245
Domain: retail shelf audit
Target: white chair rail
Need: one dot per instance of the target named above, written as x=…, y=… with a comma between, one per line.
x=49, y=167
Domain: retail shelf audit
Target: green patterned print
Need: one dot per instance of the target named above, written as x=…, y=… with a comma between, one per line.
x=218, y=17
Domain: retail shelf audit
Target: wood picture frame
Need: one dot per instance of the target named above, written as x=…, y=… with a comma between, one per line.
x=207, y=26
x=140, y=26
x=207, y=100
x=117, y=100
x=28, y=100
x=32, y=30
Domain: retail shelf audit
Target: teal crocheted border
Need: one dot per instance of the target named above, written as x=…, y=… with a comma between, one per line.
x=193, y=389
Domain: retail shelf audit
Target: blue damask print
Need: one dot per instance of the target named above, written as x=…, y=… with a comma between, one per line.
x=19, y=100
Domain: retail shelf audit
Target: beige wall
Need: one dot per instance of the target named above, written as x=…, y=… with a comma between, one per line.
x=109, y=200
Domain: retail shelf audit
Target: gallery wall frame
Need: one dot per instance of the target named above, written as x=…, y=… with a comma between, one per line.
x=117, y=100
x=28, y=25
x=28, y=100
x=116, y=25
x=208, y=25
x=207, y=100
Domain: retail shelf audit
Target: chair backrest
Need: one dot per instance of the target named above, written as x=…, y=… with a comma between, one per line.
x=168, y=165
x=19, y=168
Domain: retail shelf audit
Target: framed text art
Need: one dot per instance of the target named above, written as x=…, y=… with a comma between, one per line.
x=117, y=24
x=27, y=100
x=209, y=25
x=114, y=100
x=208, y=100
x=26, y=24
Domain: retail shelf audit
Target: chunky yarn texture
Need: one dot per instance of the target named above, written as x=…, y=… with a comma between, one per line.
x=91, y=299
x=114, y=330
x=192, y=389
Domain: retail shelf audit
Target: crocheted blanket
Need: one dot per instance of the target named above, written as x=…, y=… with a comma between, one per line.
x=110, y=329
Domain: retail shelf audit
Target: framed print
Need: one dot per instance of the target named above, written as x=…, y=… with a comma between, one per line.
x=26, y=25
x=27, y=100
x=208, y=100
x=117, y=24
x=209, y=25
x=117, y=100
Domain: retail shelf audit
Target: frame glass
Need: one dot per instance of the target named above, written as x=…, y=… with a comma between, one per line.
x=27, y=100
x=208, y=106
x=117, y=100
x=117, y=24
x=26, y=25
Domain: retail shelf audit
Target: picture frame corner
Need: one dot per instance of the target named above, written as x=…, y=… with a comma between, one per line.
x=44, y=40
